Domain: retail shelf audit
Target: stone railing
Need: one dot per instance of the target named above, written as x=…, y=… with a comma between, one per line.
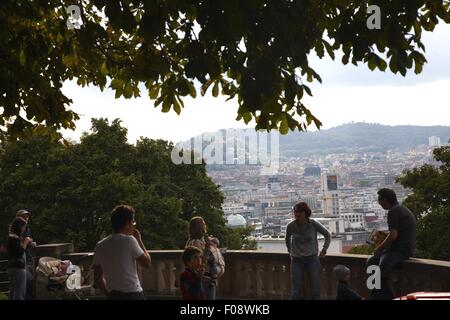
x=266, y=275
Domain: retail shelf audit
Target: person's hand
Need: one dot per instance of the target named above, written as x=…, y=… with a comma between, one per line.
x=201, y=271
x=322, y=254
x=28, y=240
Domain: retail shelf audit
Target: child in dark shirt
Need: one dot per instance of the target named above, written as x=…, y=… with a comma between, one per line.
x=191, y=278
x=344, y=292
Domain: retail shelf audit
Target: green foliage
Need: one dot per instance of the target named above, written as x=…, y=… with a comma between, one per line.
x=239, y=239
x=172, y=47
x=430, y=187
x=72, y=189
x=3, y=296
x=363, y=249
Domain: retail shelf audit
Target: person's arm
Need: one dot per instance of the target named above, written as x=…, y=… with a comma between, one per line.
x=323, y=231
x=25, y=242
x=288, y=238
x=390, y=239
x=393, y=223
x=143, y=257
x=99, y=280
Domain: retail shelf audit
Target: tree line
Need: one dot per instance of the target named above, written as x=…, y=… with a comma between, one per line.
x=71, y=189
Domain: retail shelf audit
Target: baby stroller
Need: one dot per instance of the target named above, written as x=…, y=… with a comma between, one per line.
x=57, y=279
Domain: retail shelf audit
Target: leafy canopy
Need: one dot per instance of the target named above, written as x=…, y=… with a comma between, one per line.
x=254, y=50
x=430, y=185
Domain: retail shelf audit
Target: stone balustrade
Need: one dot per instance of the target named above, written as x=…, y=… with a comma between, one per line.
x=266, y=275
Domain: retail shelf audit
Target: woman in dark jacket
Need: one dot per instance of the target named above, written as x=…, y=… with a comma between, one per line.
x=17, y=273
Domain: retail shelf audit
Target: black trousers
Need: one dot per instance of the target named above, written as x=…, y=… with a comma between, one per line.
x=387, y=261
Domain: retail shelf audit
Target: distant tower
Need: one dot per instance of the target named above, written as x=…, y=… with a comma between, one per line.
x=330, y=194
x=434, y=141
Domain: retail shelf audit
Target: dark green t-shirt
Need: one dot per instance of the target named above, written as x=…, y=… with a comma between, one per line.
x=402, y=219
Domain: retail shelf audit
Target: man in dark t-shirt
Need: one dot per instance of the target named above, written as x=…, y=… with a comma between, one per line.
x=398, y=245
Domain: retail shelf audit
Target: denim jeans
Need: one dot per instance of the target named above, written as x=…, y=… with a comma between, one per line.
x=210, y=287
x=387, y=261
x=17, y=284
x=311, y=265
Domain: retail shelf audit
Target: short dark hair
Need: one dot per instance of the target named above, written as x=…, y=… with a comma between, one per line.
x=16, y=225
x=189, y=253
x=387, y=194
x=120, y=216
x=303, y=206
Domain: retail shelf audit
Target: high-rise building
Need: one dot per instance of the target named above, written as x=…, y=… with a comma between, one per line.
x=330, y=194
x=434, y=141
x=312, y=172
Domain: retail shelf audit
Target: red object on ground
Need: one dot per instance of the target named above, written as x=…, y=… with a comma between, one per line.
x=426, y=296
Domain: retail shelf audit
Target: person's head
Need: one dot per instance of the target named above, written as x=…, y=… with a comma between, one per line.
x=192, y=258
x=302, y=211
x=24, y=214
x=342, y=273
x=387, y=198
x=197, y=228
x=18, y=226
x=123, y=219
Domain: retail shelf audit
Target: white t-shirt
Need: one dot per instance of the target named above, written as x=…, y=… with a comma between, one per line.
x=117, y=254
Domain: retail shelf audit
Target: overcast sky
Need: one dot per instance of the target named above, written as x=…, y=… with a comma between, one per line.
x=348, y=93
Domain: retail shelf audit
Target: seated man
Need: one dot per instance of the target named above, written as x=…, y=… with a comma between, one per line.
x=398, y=245
x=115, y=258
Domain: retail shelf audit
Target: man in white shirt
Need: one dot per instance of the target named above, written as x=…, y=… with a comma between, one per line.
x=115, y=258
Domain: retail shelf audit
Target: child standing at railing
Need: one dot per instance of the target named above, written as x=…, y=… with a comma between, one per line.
x=191, y=278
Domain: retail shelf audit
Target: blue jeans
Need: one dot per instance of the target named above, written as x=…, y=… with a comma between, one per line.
x=387, y=261
x=311, y=265
x=209, y=287
x=17, y=284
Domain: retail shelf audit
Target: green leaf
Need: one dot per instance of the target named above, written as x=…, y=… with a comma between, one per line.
x=166, y=105
x=117, y=84
x=192, y=91
x=22, y=58
x=247, y=116
x=307, y=89
x=284, y=127
x=205, y=87
x=128, y=91
x=104, y=69
x=153, y=92
x=215, y=91
x=176, y=106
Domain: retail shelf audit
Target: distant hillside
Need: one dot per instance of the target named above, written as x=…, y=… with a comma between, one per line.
x=359, y=137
